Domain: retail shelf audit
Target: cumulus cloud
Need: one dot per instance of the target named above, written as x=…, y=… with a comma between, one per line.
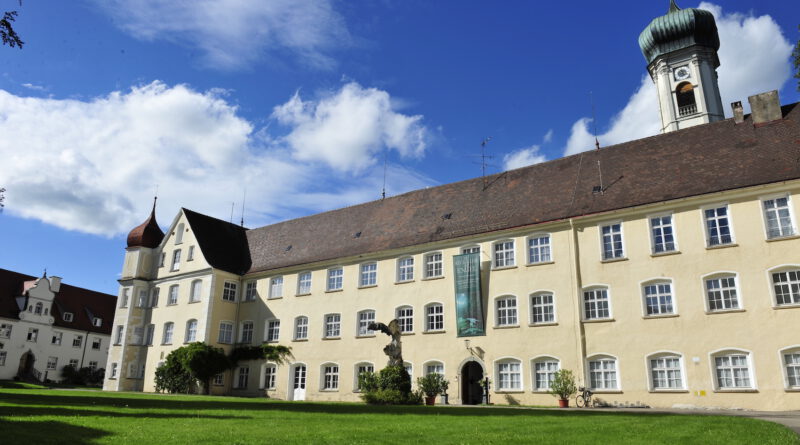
x=31, y=86
x=754, y=57
x=92, y=166
x=348, y=128
x=234, y=33
x=523, y=157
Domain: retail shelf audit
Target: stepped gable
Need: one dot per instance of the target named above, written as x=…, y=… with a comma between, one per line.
x=695, y=161
x=224, y=245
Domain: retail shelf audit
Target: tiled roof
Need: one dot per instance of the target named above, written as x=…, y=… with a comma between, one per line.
x=224, y=245
x=68, y=299
x=698, y=160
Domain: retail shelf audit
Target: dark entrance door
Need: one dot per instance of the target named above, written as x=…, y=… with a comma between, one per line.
x=26, y=364
x=471, y=391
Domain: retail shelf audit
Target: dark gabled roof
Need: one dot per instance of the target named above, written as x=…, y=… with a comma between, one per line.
x=224, y=245
x=698, y=160
x=68, y=299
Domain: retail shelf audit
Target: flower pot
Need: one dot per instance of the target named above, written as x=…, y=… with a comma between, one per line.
x=430, y=400
x=563, y=403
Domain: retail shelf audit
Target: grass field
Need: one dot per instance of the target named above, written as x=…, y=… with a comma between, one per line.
x=41, y=416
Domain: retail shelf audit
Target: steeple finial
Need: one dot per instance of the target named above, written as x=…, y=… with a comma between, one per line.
x=45, y=273
x=673, y=7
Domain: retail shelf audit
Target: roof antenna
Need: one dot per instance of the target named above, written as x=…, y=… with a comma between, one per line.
x=594, y=121
x=383, y=192
x=231, y=220
x=483, y=159
x=244, y=196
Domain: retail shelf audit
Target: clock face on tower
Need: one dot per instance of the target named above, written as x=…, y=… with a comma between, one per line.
x=682, y=73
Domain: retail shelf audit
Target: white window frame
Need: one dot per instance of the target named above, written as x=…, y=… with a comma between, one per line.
x=470, y=249
x=270, y=376
x=435, y=364
x=652, y=228
x=595, y=288
x=433, y=265
x=229, y=291
x=172, y=295
x=57, y=337
x=52, y=363
x=368, y=274
x=335, y=279
x=405, y=269
x=218, y=379
x=300, y=328
x=362, y=322
x=119, y=335
x=506, y=315
x=77, y=341
x=190, y=254
x=404, y=319
x=504, y=375
x=247, y=329
x=226, y=333
x=787, y=384
x=661, y=355
x=304, y=283
x=614, y=254
x=719, y=275
x=272, y=330
x=149, y=334
x=432, y=319
x=504, y=254
x=6, y=329
x=276, y=287
x=706, y=230
x=546, y=360
x=533, y=306
x=603, y=358
x=123, y=298
x=329, y=377
x=333, y=326
x=660, y=281
x=765, y=218
x=195, y=291
x=167, y=333
x=33, y=335
x=728, y=352
x=176, y=260
x=787, y=269
x=67, y=316
x=179, y=233
x=250, y=290
x=544, y=252
x=191, y=331
x=242, y=374
x=357, y=370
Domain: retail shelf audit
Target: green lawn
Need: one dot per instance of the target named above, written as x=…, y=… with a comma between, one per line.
x=38, y=416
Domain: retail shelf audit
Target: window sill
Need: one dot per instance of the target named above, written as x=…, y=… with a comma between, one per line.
x=267, y=342
x=605, y=391
x=368, y=286
x=549, y=323
x=438, y=277
x=787, y=306
x=598, y=320
x=271, y=298
x=668, y=391
x=504, y=268
x=195, y=301
x=303, y=295
x=331, y=291
x=541, y=263
x=721, y=246
x=328, y=390
x=509, y=391
x=613, y=260
x=172, y=304
x=648, y=317
x=331, y=338
x=782, y=238
x=736, y=390
x=792, y=389
x=668, y=253
x=226, y=301
x=404, y=282
x=406, y=333
x=438, y=331
x=724, y=311
x=300, y=340
x=366, y=336
x=510, y=326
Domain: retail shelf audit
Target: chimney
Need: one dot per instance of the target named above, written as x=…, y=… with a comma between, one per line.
x=738, y=112
x=55, y=284
x=765, y=107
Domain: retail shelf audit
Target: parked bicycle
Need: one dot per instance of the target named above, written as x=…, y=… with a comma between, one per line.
x=584, y=399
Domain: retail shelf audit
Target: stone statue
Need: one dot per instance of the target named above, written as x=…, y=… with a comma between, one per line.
x=394, y=349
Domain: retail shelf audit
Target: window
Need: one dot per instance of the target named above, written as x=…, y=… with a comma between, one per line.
x=5, y=330
x=56, y=338
x=362, y=368
x=229, y=291
x=658, y=298
x=721, y=293
x=142, y=301
x=470, y=249
x=179, y=234
x=67, y=317
x=332, y=325
x=543, y=308
x=219, y=379
x=77, y=342
x=612, y=241
x=52, y=362
x=97, y=322
x=190, y=254
x=509, y=375
x=74, y=362
x=330, y=377
x=191, y=331
x=113, y=373
x=176, y=260
x=539, y=249
x=273, y=330
x=405, y=269
x=33, y=334
x=433, y=265
x=194, y=294
x=791, y=362
x=276, y=287
x=663, y=236
x=168, y=328
x=335, y=277
x=368, y=275
x=434, y=368
x=787, y=287
x=603, y=373
x=718, y=230
x=154, y=297
x=250, y=292
x=138, y=332
x=665, y=372
x=162, y=259
x=304, y=283
x=364, y=319
x=123, y=300
x=172, y=297
x=405, y=317
x=246, y=334
x=149, y=334
x=409, y=369
x=93, y=365
x=96, y=342
x=504, y=254
x=269, y=376
x=118, y=336
x=226, y=332
x=301, y=328
x=506, y=311
x=434, y=317
x=544, y=371
x=778, y=217
x=244, y=375
x=596, y=304
x=3, y=355
x=732, y=370
x=684, y=94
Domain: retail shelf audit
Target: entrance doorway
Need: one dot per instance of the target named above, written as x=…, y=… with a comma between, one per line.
x=26, y=362
x=299, y=383
x=471, y=390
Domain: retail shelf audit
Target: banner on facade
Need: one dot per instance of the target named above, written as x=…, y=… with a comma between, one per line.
x=469, y=307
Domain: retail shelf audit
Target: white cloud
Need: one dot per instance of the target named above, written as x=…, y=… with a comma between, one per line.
x=92, y=166
x=523, y=157
x=754, y=58
x=31, y=86
x=233, y=33
x=346, y=129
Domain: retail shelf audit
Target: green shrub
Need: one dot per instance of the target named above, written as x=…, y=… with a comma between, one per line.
x=432, y=384
x=391, y=386
x=563, y=384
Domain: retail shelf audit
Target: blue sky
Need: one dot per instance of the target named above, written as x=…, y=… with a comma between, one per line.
x=298, y=104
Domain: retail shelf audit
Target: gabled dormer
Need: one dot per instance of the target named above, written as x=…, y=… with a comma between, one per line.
x=36, y=302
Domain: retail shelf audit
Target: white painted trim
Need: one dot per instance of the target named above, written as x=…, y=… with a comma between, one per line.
x=431, y=361
x=322, y=377
x=721, y=274
x=496, y=373
x=598, y=356
x=674, y=226
x=537, y=359
x=355, y=373
x=582, y=309
x=495, y=318
x=704, y=225
x=663, y=354
x=729, y=350
x=535, y=235
x=771, y=284
x=555, y=306
x=781, y=352
x=657, y=280
x=777, y=195
x=514, y=249
x=600, y=226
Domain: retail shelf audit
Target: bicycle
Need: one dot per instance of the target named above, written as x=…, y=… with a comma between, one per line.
x=584, y=399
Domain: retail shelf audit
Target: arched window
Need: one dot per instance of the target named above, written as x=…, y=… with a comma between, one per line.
x=179, y=234
x=596, y=303
x=191, y=331
x=330, y=377
x=544, y=370
x=361, y=368
x=405, y=316
x=684, y=93
x=790, y=362
x=38, y=309
x=506, y=311
x=409, y=369
x=543, y=308
x=197, y=286
x=166, y=339
x=603, y=372
x=508, y=374
x=269, y=371
x=365, y=317
x=434, y=317
x=786, y=285
x=301, y=328
x=732, y=370
x=405, y=269
x=722, y=292
x=433, y=367
x=666, y=371
x=658, y=299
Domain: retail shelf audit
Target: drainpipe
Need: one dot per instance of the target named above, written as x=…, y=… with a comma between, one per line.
x=85, y=342
x=576, y=282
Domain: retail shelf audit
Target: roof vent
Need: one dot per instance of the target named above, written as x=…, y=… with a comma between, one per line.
x=357, y=235
x=447, y=216
x=765, y=107
x=738, y=112
x=288, y=248
x=597, y=189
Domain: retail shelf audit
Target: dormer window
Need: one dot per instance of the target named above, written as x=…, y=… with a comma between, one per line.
x=97, y=322
x=684, y=94
x=67, y=316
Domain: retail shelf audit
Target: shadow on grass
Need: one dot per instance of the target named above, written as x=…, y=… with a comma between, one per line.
x=49, y=432
x=35, y=411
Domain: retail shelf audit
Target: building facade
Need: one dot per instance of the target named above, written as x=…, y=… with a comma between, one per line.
x=663, y=271
x=46, y=325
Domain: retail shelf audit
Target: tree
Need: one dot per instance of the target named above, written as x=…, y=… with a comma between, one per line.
x=203, y=362
x=796, y=55
x=7, y=33
x=173, y=376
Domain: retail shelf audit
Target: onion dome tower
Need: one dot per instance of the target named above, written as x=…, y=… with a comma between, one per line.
x=146, y=234
x=143, y=248
x=681, y=52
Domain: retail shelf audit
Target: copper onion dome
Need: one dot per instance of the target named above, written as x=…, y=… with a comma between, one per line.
x=147, y=234
x=678, y=29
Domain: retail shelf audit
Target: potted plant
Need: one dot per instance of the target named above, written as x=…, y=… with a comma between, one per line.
x=432, y=385
x=563, y=386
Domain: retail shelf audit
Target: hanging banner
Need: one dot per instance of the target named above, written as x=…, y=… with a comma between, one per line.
x=469, y=308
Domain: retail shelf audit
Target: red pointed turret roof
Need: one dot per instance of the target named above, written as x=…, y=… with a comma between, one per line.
x=147, y=234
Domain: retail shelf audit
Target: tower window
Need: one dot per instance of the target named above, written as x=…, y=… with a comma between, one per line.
x=686, y=102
